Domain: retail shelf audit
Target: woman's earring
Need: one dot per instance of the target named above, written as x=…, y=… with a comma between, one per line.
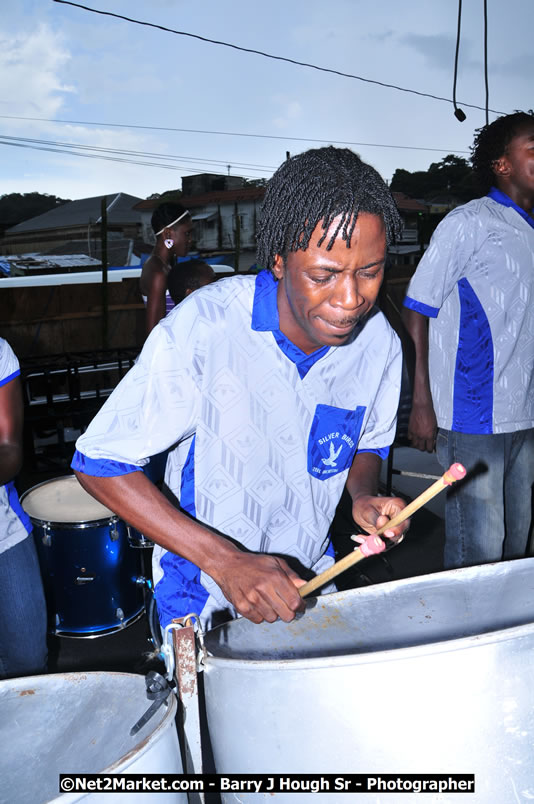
x=169, y=243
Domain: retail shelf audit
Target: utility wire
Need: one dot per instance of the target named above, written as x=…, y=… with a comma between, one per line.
x=107, y=158
x=66, y=148
x=142, y=154
x=234, y=134
x=268, y=55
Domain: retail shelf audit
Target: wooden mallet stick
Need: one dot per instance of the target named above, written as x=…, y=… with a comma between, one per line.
x=373, y=545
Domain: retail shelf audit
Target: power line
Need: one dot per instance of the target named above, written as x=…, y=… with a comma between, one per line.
x=234, y=134
x=107, y=158
x=143, y=154
x=270, y=55
x=57, y=147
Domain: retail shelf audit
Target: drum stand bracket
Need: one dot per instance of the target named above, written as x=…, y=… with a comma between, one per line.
x=185, y=661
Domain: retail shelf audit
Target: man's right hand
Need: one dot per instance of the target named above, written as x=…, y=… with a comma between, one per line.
x=422, y=427
x=261, y=587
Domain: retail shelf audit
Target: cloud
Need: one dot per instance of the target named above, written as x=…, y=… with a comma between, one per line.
x=30, y=73
x=291, y=111
x=520, y=66
x=381, y=37
x=37, y=73
x=438, y=50
x=76, y=176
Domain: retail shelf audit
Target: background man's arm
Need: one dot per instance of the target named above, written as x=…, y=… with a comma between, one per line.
x=11, y=419
x=422, y=424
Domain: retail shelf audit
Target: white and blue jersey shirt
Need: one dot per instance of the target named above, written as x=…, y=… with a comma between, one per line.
x=476, y=284
x=263, y=434
x=15, y=523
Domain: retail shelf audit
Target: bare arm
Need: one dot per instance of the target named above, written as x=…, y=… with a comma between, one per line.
x=11, y=420
x=261, y=587
x=369, y=510
x=422, y=425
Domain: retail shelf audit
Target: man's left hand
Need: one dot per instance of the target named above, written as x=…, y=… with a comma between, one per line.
x=371, y=513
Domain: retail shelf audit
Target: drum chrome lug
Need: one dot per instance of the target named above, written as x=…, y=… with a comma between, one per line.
x=82, y=579
x=140, y=580
x=46, y=538
x=114, y=533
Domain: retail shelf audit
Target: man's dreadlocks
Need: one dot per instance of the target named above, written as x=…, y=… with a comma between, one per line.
x=317, y=186
x=491, y=142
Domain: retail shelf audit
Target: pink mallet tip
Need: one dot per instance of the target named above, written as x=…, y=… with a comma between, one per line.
x=372, y=545
x=457, y=471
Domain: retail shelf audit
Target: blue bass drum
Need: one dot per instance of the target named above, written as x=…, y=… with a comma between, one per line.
x=93, y=579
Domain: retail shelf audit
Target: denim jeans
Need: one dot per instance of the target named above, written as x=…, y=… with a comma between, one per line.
x=487, y=515
x=23, y=648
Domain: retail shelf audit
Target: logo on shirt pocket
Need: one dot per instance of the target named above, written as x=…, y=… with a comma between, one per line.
x=333, y=440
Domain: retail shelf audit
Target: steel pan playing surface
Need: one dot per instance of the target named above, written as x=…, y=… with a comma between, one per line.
x=424, y=675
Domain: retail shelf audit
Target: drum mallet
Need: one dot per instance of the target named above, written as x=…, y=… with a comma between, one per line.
x=373, y=544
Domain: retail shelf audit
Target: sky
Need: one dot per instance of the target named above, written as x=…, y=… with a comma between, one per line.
x=118, y=84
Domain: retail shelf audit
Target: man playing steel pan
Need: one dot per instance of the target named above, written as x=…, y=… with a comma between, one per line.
x=275, y=391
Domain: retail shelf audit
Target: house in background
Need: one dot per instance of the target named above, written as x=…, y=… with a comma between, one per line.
x=224, y=209
x=206, y=182
x=75, y=228
x=226, y=218
x=408, y=249
x=225, y=213
x=442, y=204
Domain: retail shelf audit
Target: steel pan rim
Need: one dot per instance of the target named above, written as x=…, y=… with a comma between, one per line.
x=14, y=687
x=372, y=657
x=435, y=645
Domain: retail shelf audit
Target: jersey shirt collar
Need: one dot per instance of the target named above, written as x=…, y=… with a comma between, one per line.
x=265, y=318
x=506, y=201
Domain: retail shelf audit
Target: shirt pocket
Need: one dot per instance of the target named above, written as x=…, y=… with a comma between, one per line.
x=334, y=436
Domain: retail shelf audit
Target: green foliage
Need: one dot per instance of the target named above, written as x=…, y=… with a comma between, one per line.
x=168, y=195
x=18, y=207
x=452, y=176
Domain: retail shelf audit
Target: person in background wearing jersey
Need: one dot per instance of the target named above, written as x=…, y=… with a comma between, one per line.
x=274, y=392
x=474, y=376
x=23, y=649
x=172, y=226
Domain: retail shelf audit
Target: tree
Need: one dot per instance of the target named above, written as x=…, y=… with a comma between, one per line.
x=168, y=195
x=17, y=207
x=452, y=176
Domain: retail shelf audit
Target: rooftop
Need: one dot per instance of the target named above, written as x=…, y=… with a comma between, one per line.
x=121, y=208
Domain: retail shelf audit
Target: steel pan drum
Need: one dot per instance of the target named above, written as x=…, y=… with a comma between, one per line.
x=92, y=577
x=433, y=674
x=80, y=723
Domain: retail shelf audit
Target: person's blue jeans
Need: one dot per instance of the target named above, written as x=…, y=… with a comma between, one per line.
x=23, y=649
x=488, y=515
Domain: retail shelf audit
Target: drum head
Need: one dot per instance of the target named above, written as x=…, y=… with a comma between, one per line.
x=63, y=500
